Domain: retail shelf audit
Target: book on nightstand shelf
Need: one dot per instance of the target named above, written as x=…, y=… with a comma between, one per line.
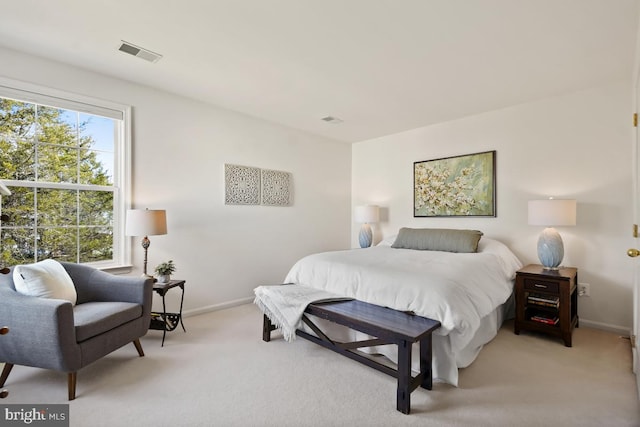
x=546, y=319
x=543, y=300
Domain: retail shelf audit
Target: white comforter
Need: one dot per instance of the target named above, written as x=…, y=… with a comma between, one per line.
x=459, y=290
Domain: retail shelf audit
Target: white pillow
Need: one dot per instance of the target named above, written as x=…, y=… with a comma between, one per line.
x=45, y=279
x=509, y=260
x=388, y=241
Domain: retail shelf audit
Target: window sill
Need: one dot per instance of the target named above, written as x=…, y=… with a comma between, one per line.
x=117, y=269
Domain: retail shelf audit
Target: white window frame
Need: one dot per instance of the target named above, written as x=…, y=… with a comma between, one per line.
x=28, y=92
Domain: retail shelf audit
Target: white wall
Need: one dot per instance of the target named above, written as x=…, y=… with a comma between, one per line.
x=179, y=150
x=578, y=145
x=574, y=146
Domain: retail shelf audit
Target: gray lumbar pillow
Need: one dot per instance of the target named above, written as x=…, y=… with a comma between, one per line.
x=438, y=239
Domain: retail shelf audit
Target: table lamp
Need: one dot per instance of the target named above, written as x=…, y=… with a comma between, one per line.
x=549, y=213
x=145, y=222
x=366, y=215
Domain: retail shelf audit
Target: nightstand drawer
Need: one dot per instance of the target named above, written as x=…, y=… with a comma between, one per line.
x=540, y=285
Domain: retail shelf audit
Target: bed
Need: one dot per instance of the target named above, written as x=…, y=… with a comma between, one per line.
x=470, y=294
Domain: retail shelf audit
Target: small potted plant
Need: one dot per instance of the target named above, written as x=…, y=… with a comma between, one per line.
x=164, y=271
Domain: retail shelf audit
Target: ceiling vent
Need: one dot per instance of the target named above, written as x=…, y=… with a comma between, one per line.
x=332, y=120
x=139, y=52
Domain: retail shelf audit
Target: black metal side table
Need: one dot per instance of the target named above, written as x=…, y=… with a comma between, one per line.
x=167, y=321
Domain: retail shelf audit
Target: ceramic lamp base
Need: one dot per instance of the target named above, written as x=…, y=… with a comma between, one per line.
x=366, y=236
x=550, y=249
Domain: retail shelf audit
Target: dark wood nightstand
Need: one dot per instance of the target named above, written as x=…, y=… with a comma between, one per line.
x=547, y=301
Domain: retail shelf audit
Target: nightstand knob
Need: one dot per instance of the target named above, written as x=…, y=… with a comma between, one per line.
x=633, y=253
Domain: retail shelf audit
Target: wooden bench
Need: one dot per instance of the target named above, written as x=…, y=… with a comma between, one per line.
x=388, y=326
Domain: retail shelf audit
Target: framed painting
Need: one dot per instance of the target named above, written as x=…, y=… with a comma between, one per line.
x=455, y=186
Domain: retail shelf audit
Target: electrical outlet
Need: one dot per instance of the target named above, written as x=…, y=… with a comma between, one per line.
x=584, y=289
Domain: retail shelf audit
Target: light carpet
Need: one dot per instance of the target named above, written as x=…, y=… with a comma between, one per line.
x=221, y=373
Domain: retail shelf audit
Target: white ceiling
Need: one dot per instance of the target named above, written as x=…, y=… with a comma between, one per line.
x=383, y=66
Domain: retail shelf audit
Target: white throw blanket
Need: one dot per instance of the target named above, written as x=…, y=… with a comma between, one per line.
x=285, y=304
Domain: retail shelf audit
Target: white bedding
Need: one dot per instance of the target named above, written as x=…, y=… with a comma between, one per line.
x=464, y=291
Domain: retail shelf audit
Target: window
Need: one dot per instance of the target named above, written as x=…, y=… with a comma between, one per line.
x=64, y=158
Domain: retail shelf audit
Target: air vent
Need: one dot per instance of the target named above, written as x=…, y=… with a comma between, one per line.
x=332, y=120
x=139, y=52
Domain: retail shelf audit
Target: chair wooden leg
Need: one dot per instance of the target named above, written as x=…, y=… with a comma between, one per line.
x=136, y=342
x=71, y=379
x=5, y=373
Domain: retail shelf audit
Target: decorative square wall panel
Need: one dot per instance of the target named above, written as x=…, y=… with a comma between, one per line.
x=242, y=185
x=276, y=188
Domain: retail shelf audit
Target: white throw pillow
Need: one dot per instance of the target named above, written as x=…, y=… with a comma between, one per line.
x=45, y=279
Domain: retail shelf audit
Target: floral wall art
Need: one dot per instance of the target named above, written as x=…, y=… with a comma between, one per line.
x=242, y=185
x=245, y=185
x=455, y=186
x=275, y=188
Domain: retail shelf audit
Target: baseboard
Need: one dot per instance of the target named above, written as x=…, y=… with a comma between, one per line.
x=616, y=329
x=216, y=307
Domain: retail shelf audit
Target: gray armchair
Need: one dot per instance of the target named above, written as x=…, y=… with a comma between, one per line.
x=111, y=311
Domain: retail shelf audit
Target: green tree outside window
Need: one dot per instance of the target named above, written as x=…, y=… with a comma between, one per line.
x=58, y=165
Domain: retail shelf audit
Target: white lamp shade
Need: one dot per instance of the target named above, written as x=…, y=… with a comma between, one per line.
x=145, y=222
x=367, y=214
x=552, y=212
